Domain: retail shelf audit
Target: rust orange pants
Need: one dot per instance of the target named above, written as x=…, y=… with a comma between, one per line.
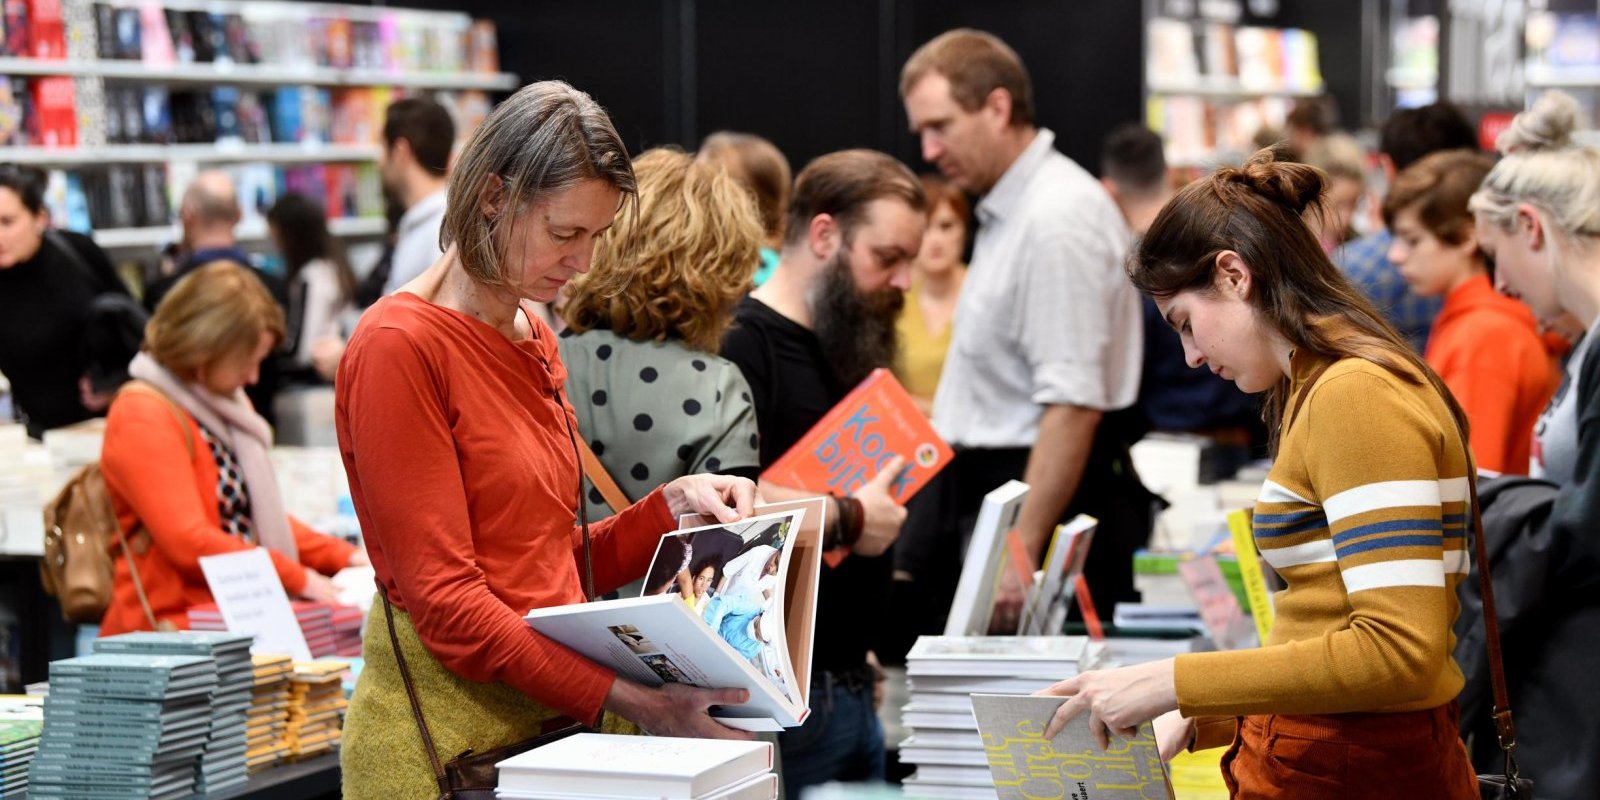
x=1406, y=756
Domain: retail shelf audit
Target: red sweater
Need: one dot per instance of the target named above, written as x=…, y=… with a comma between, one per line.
x=1487, y=349
x=145, y=461
x=466, y=484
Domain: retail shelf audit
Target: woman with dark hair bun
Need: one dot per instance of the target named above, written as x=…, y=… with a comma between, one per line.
x=1363, y=514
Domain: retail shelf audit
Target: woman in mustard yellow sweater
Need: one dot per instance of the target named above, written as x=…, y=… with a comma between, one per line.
x=1363, y=514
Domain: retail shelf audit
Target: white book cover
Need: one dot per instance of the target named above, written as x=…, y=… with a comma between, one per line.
x=956, y=776
x=962, y=685
x=727, y=606
x=760, y=787
x=945, y=740
x=973, y=606
x=916, y=787
x=912, y=752
x=1054, y=592
x=919, y=718
x=591, y=764
x=1029, y=649
x=1070, y=766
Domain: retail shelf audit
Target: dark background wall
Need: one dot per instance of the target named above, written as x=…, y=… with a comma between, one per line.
x=812, y=76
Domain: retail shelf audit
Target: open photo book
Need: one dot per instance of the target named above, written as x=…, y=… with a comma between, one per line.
x=724, y=606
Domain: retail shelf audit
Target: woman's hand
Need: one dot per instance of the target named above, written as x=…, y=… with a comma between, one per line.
x=1118, y=700
x=1174, y=734
x=675, y=709
x=319, y=588
x=721, y=497
x=360, y=558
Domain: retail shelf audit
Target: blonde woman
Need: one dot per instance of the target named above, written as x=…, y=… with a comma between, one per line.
x=1538, y=218
x=193, y=477
x=653, y=398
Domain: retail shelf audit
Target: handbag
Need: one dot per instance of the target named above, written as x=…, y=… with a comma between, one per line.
x=1509, y=784
x=472, y=775
x=80, y=526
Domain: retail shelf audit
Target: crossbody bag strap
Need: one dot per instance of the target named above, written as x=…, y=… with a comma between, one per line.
x=600, y=478
x=1505, y=729
x=411, y=694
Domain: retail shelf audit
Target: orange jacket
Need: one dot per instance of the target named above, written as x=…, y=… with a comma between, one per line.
x=153, y=481
x=1487, y=349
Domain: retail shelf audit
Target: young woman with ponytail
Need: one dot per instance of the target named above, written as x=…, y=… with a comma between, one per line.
x=1363, y=514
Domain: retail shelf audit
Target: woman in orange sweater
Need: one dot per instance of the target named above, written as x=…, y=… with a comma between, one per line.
x=1485, y=345
x=186, y=458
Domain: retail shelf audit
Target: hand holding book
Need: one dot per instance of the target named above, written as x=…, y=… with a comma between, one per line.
x=675, y=709
x=1118, y=700
x=884, y=515
x=722, y=497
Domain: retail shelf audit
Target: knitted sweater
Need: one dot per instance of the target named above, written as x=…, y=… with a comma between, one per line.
x=1364, y=516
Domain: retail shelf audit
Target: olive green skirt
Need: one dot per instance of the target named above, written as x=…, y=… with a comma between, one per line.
x=383, y=757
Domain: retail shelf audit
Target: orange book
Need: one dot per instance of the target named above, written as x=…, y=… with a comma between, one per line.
x=875, y=422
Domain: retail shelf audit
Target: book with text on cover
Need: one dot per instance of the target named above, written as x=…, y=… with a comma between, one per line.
x=875, y=422
x=1069, y=767
x=725, y=606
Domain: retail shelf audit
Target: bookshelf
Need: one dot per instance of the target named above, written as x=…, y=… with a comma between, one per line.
x=1545, y=76
x=251, y=232
x=256, y=74
x=121, y=102
x=1211, y=82
x=218, y=153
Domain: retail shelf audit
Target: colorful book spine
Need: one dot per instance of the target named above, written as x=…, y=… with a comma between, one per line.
x=47, y=33
x=55, y=108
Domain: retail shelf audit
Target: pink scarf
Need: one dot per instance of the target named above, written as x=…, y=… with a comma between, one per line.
x=236, y=424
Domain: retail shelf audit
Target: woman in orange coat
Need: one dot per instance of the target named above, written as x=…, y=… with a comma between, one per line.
x=193, y=477
x=1485, y=346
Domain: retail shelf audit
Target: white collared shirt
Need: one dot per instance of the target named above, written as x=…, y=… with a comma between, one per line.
x=416, y=244
x=1047, y=315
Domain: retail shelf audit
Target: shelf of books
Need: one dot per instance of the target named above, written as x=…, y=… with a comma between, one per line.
x=255, y=231
x=123, y=101
x=1210, y=86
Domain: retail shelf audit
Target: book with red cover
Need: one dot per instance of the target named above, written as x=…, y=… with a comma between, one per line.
x=55, y=107
x=875, y=422
x=47, y=32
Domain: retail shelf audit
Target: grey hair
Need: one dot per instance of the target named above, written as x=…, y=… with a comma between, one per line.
x=1546, y=168
x=545, y=138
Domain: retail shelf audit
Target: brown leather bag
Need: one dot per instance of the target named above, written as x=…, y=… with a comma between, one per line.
x=79, y=530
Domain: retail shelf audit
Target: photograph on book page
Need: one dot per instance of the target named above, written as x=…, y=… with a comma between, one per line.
x=730, y=575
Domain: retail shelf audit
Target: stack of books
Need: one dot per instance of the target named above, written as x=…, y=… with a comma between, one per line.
x=347, y=622
x=943, y=672
x=592, y=765
x=124, y=725
x=268, y=718
x=316, y=624
x=316, y=708
x=20, y=726
x=222, y=765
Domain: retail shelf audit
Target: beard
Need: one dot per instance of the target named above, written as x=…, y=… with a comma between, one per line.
x=856, y=329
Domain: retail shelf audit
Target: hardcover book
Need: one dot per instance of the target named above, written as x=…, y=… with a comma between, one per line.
x=597, y=764
x=1070, y=766
x=723, y=606
x=873, y=423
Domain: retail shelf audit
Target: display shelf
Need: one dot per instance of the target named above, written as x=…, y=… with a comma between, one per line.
x=257, y=74
x=1544, y=76
x=125, y=238
x=287, y=153
x=1226, y=90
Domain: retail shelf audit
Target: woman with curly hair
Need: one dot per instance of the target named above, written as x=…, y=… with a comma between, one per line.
x=654, y=399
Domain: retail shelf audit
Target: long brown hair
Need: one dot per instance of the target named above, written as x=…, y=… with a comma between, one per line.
x=1258, y=211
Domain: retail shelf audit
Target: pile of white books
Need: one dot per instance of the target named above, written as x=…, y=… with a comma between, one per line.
x=943, y=672
x=598, y=765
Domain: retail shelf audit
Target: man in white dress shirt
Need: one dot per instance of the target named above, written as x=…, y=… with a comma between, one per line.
x=1047, y=337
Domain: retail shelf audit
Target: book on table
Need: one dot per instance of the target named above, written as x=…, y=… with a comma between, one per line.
x=995, y=571
x=1024, y=764
x=724, y=606
x=606, y=765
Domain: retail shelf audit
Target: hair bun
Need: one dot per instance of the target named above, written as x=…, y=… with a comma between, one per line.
x=1291, y=185
x=1548, y=125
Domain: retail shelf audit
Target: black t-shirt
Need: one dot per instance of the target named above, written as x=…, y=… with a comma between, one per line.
x=44, y=311
x=793, y=387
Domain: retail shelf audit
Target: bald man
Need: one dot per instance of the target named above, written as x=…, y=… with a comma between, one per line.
x=209, y=212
